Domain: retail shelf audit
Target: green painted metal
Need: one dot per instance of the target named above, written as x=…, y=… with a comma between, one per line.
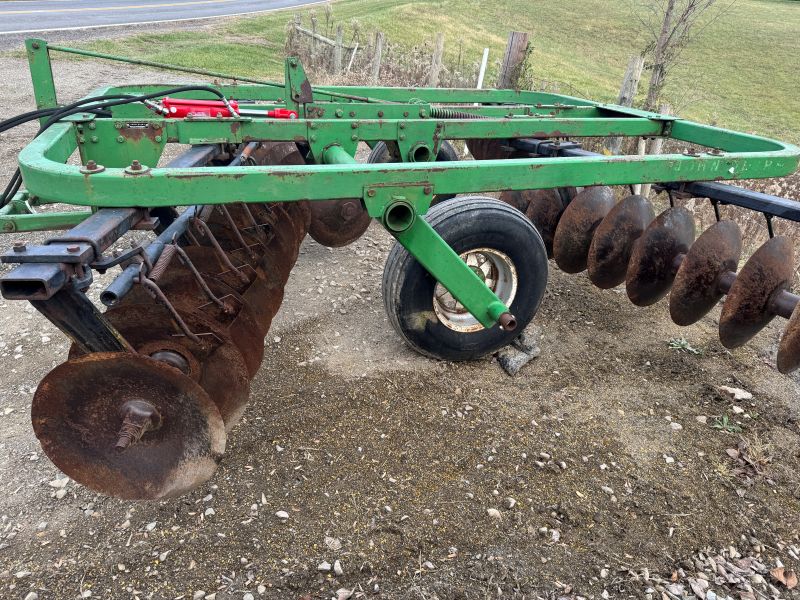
x=333, y=121
x=44, y=86
x=19, y=216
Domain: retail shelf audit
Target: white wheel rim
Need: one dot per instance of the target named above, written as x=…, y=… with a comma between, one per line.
x=498, y=272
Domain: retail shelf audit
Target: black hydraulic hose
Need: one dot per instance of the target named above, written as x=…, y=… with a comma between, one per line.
x=97, y=103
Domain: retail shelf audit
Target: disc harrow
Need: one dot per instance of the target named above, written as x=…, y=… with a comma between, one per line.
x=153, y=384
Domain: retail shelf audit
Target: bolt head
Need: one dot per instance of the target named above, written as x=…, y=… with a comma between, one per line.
x=427, y=190
x=73, y=249
x=371, y=193
x=19, y=246
x=35, y=45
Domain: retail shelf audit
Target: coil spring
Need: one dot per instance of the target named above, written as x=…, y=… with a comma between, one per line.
x=449, y=113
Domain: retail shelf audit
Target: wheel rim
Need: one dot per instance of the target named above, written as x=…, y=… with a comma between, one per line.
x=499, y=274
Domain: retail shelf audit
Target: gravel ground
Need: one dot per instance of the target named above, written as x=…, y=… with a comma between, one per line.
x=612, y=466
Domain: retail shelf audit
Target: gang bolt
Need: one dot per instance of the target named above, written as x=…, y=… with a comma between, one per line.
x=19, y=246
x=138, y=417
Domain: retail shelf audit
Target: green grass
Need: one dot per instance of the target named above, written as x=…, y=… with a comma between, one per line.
x=741, y=72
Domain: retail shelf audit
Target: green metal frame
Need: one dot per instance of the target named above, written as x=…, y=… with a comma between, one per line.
x=333, y=120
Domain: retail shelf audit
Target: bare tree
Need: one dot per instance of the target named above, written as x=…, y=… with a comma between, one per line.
x=671, y=26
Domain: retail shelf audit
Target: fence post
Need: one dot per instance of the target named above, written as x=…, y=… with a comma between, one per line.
x=436, y=61
x=376, y=59
x=630, y=85
x=516, y=50
x=337, y=50
x=313, y=39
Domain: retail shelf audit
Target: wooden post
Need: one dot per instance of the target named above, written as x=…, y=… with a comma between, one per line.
x=655, y=147
x=313, y=39
x=436, y=61
x=630, y=85
x=337, y=50
x=516, y=50
x=376, y=59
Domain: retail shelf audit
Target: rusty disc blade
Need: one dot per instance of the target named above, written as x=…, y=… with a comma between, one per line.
x=263, y=294
x=746, y=310
x=543, y=207
x=489, y=149
x=789, y=349
x=613, y=240
x=697, y=285
x=239, y=324
x=337, y=223
x=577, y=225
x=652, y=267
x=223, y=373
x=79, y=412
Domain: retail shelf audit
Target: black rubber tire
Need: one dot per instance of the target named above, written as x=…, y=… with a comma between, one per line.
x=469, y=222
x=382, y=154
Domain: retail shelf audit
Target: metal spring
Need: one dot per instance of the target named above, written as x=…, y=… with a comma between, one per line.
x=449, y=113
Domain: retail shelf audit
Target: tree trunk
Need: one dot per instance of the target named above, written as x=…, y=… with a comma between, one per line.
x=659, y=58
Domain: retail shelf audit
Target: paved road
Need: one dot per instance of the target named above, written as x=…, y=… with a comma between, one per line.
x=23, y=16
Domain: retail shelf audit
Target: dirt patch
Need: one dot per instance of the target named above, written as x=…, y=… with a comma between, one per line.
x=594, y=458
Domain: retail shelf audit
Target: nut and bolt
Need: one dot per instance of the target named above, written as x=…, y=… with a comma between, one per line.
x=427, y=190
x=91, y=165
x=19, y=246
x=136, y=165
x=371, y=193
x=35, y=45
x=380, y=114
x=354, y=125
x=339, y=113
